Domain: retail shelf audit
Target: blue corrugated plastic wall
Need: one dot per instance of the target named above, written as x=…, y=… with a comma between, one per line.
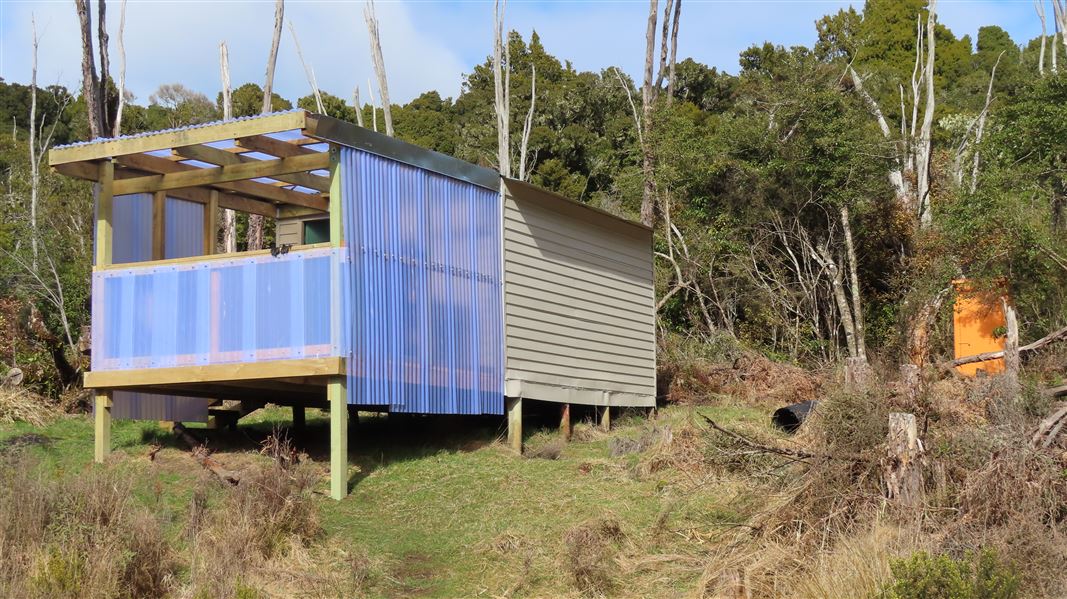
x=131, y=225
x=184, y=224
x=423, y=289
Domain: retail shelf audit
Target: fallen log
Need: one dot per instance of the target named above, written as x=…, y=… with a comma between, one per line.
x=993, y=355
x=201, y=453
x=1049, y=428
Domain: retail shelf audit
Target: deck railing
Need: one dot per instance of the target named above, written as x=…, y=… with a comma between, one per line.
x=217, y=310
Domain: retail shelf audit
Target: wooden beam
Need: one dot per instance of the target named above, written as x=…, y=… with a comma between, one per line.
x=269, y=145
x=196, y=177
x=155, y=164
x=513, y=406
x=206, y=258
x=267, y=369
x=164, y=140
x=102, y=425
x=104, y=202
x=211, y=224
x=338, y=438
x=159, y=225
x=224, y=158
x=565, y=421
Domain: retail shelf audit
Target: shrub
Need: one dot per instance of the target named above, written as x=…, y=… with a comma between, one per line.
x=981, y=576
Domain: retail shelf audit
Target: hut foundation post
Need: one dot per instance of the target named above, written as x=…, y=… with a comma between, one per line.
x=513, y=405
x=604, y=416
x=338, y=438
x=102, y=425
x=565, y=422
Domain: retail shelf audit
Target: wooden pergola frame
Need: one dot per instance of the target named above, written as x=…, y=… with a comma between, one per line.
x=182, y=163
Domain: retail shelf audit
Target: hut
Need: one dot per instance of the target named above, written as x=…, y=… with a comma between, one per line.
x=401, y=280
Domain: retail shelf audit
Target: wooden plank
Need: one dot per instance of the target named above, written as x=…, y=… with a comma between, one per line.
x=336, y=205
x=102, y=425
x=188, y=259
x=211, y=224
x=338, y=438
x=155, y=164
x=214, y=373
x=159, y=225
x=604, y=414
x=164, y=140
x=513, y=406
x=224, y=158
x=565, y=421
x=195, y=177
x=104, y=202
x=269, y=145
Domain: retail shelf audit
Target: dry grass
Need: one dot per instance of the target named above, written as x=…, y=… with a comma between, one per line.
x=77, y=537
x=589, y=553
x=18, y=404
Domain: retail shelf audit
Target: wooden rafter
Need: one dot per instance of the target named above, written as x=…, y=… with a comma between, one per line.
x=241, y=371
x=165, y=140
x=219, y=157
x=269, y=145
x=240, y=203
x=194, y=176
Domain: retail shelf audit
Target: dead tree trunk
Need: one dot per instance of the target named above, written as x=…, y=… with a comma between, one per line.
x=648, y=198
x=524, y=175
x=854, y=283
x=1039, y=5
x=1012, y=362
x=254, y=237
x=90, y=84
x=105, y=65
x=309, y=71
x=116, y=129
x=925, y=140
x=379, y=64
x=502, y=89
x=358, y=106
x=229, y=217
x=35, y=175
x=902, y=465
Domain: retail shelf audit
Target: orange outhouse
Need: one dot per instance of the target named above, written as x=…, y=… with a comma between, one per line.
x=978, y=327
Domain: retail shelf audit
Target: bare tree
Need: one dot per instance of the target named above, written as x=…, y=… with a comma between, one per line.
x=379, y=64
x=524, y=174
x=373, y=106
x=308, y=70
x=981, y=124
x=650, y=92
x=254, y=236
x=923, y=152
x=229, y=217
x=358, y=106
x=854, y=284
x=502, y=89
x=35, y=174
x=117, y=127
x=90, y=84
x=272, y=59
x=1039, y=5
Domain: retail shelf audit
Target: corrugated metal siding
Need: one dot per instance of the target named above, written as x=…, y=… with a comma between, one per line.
x=579, y=303
x=184, y=229
x=423, y=289
x=216, y=311
x=131, y=225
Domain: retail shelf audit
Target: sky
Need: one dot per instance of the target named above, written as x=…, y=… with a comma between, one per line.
x=427, y=44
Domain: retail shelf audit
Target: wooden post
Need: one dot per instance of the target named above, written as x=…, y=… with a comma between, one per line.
x=338, y=437
x=513, y=405
x=565, y=421
x=604, y=414
x=102, y=424
x=104, y=202
x=159, y=225
x=336, y=215
x=911, y=382
x=902, y=465
x=298, y=418
x=211, y=224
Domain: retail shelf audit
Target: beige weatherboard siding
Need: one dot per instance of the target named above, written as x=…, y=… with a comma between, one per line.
x=579, y=302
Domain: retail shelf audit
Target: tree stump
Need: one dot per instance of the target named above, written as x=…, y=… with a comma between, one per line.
x=857, y=373
x=910, y=382
x=902, y=465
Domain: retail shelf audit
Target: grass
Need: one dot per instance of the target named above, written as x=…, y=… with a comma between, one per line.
x=440, y=508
